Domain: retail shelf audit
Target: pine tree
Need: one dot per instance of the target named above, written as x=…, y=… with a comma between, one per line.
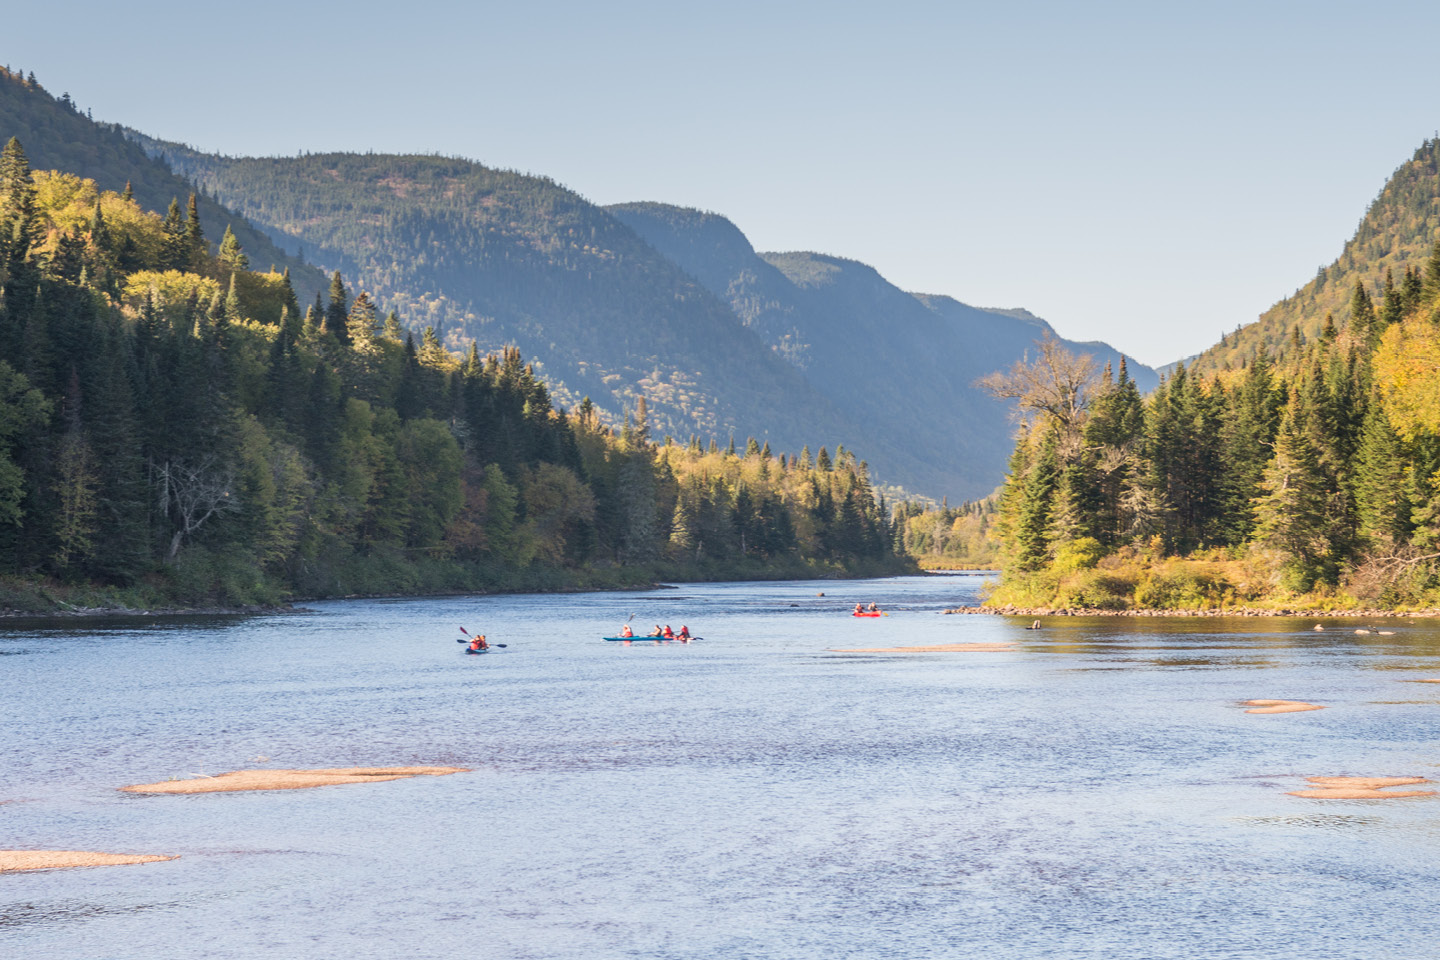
x=337, y=313
x=175, y=250
x=1382, y=483
x=197, y=250
x=1430, y=286
x=233, y=256
x=1392, y=307
x=1362, y=315
x=1290, y=511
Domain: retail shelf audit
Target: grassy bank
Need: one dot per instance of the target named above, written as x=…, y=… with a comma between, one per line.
x=1136, y=579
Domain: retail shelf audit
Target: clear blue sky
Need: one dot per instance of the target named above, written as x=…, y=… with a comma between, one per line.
x=1147, y=174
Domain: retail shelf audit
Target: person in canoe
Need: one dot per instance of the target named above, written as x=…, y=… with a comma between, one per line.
x=625, y=631
x=684, y=635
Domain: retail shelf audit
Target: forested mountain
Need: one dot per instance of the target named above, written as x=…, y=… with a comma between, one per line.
x=1385, y=255
x=58, y=136
x=175, y=426
x=881, y=355
x=616, y=313
x=507, y=259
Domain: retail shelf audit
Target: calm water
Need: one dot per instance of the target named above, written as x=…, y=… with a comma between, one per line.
x=1096, y=792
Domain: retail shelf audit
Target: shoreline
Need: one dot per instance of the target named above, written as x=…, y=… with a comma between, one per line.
x=292, y=605
x=1292, y=612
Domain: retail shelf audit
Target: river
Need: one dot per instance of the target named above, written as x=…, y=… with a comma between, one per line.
x=1095, y=791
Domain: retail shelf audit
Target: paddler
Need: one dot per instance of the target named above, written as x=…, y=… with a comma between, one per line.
x=478, y=644
x=859, y=609
x=684, y=634
x=625, y=631
x=656, y=632
x=668, y=634
x=874, y=607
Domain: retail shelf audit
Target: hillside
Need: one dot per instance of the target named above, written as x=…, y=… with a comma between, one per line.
x=916, y=356
x=503, y=258
x=643, y=300
x=57, y=136
x=1397, y=232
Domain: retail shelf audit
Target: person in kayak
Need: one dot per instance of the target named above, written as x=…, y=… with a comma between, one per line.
x=478, y=644
x=874, y=607
x=668, y=634
x=625, y=631
x=654, y=633
x=859, y=609
x=684, y=634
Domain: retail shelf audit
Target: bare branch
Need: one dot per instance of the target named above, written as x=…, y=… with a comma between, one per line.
x=191, y=495
x=1057, y=383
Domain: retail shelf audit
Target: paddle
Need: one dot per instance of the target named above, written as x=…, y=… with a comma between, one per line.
x=463, y=630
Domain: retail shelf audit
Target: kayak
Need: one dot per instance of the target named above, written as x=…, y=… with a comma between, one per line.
x=473, y=652
x=877, y=614
x=626, y=639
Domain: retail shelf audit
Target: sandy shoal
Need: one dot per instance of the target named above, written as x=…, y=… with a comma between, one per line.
x=1361, y=788
x=1280, y=706
x=937, y=648
x=58, y=859
x=288, y=779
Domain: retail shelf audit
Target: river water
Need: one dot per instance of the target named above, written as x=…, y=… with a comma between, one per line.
x=1096, y=791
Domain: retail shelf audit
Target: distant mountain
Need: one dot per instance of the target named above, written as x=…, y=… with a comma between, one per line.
x=883, y=356
x=57, y=136
x=643, y=300
x=1398, y=231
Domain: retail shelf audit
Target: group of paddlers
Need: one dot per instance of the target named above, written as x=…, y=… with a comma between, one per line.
x=659, y=633
x=862, y=609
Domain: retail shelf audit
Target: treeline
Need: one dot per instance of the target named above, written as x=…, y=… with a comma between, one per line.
x=949, y=538
x=1314, y=476
x=1394, y=236
x=174, y=422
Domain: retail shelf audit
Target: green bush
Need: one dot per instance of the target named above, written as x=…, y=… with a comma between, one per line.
x=1081, y=554
x=1095, y=590
x=1181, y=590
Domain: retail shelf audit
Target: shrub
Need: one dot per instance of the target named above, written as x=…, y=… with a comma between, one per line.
x=1081, y=554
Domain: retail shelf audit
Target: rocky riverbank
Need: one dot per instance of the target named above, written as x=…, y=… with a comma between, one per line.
x=1013, y=611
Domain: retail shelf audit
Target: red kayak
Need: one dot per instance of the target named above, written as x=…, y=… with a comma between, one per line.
x=876, y=614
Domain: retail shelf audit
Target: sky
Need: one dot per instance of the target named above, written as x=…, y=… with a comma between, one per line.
x=1145, y=174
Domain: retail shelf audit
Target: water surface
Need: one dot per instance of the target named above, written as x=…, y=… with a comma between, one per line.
x=1096, y=791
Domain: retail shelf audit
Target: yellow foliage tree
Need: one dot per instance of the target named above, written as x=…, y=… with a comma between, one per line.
x=1407, y=372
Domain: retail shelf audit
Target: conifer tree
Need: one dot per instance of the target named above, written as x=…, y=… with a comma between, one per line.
x=1381, y=483
x=337, y=313
x=1362, y=315
x=233, y=256
x=175, y=251
x=1290, y=511
x=197, y=250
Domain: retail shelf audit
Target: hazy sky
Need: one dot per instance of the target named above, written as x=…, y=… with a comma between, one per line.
x=1143, y=173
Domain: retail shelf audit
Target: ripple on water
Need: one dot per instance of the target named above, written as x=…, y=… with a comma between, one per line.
x=1090, y=793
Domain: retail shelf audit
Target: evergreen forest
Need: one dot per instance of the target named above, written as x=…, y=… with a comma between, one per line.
x=1310, y=479
x=179, y=428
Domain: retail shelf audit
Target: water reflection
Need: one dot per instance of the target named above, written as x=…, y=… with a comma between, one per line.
x=1092, y=791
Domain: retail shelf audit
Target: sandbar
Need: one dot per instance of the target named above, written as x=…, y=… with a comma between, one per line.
x=59, y=859
x=1280, y=706
x=937, y=648
x=289, y=779
x=1361, y=788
